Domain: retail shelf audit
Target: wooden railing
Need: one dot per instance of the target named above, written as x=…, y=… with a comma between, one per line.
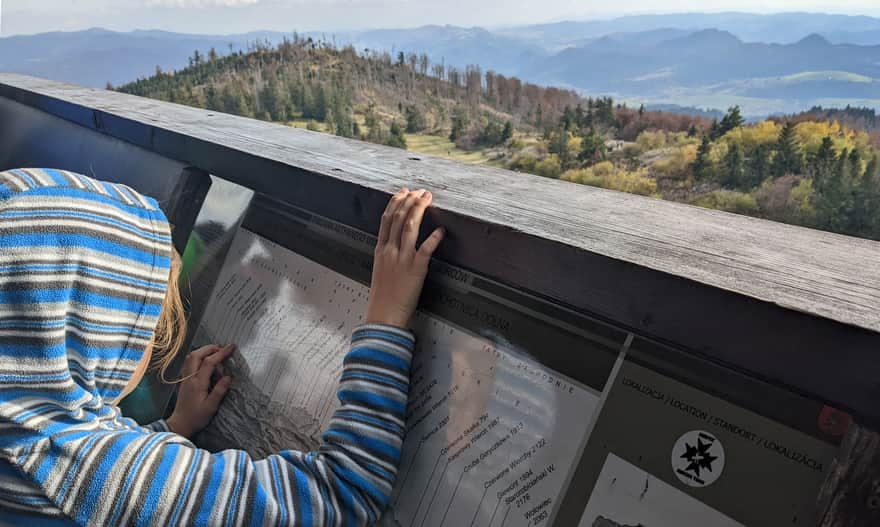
x=789, y=307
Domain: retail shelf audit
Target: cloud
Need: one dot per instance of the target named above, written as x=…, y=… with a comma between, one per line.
x=203, y=3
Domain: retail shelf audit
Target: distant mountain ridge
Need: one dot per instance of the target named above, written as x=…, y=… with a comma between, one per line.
x=455, y=45
x=780, y=28
x=96, y=56
x=767, y=64
x=705, y=57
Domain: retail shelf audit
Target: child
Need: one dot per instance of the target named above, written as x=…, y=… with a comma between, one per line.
x=88, y=300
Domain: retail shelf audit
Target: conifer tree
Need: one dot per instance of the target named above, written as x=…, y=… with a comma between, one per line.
x=396, y=137
x=213, y=100
x=870, y=191
x=370, y=117
x=822, y=169
x=507, y=132
x=844, y=171
x=592, y=148
x=788, y=159
x=855, y=163
x=759, y=167
x=234, y=101
x=866, y=201
x=702, y=163
x=831, y=184
x=825, y=156
x=559, y=146
x=733, y=119
x=580, y=116
x=492, y=133
x=415, y=121
x=605, y=111
x=317, y=106
x=713, y=130
x=568, y=121
x=873, y=168
x=274, y=100
x=459, y=124
x=733, y=175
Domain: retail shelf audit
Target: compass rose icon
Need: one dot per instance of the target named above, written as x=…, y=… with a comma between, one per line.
x=698, y=458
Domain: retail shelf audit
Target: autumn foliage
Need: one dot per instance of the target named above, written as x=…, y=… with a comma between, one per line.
x=819, y=168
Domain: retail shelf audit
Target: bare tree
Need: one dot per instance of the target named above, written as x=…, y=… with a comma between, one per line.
x=424, y=62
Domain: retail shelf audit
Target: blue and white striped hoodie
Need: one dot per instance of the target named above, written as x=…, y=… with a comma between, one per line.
x=83, y=271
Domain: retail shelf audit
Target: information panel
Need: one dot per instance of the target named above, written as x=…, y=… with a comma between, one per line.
x=521, y=412
x=492, y=433
x=664, y=454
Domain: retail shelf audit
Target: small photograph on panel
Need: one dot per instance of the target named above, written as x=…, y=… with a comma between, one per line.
x=627, y=496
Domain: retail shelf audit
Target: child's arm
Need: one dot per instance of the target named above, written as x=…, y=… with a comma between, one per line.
x=129, y=477
x=398, y=275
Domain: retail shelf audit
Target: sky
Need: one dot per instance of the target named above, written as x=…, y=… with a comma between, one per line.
x=239, y=16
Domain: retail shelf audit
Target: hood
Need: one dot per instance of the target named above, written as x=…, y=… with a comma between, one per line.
x=84, y=267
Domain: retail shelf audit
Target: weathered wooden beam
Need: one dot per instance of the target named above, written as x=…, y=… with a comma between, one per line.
x=795, y=307
x=801, y=269
x=850, y=496
x=29, y=138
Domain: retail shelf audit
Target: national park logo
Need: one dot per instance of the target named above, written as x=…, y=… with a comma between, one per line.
x=698, y=458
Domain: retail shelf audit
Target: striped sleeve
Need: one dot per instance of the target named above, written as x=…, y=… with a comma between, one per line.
x=128, y=477
x=158, y=426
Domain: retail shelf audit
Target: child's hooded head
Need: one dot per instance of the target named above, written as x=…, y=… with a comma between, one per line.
x=84, y=271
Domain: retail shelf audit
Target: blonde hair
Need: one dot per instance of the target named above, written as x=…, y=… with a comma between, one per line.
x=171, y=328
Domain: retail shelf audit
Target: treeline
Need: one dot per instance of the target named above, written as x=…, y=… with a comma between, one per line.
x=369, y=95
x=858, y=118
x=812, y=173
x=808, y=172
x=600, y=143
x=595, y=143
x=372, y=95
x=818, y=169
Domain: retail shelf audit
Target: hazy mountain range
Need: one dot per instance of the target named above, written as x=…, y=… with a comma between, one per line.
x=782, y=28
x=97, y=56
x=766, y=63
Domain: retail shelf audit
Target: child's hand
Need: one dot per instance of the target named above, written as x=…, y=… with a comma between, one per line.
x=398, y=268
x=197, y=402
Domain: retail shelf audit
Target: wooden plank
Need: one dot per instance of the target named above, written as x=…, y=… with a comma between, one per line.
x=803, y=269
x=789, y=305
x=850, y=496
x=32, y=138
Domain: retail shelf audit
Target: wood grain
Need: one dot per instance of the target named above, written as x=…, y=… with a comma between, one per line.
x=824, y=274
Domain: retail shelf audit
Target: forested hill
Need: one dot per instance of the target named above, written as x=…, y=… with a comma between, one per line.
x=365, y=94
x=355, y=95
x=819, y=169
